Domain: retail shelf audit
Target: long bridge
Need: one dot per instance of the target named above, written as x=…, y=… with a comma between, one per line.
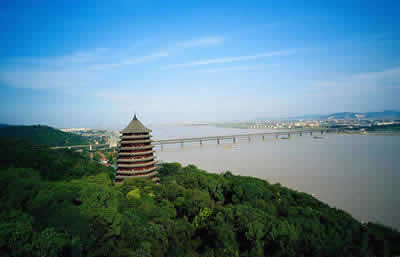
x=235, y=138
x=216, y=139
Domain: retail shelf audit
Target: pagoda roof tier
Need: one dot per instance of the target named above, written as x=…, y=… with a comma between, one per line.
x=136, y=147
x=136, y=136
x=136, y=160
x=135, y=126
x=137, y=153
x=151, y=174
x=133, y=172
x=135, y=165
x=136, y=141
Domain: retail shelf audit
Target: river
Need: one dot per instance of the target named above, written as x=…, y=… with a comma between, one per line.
x=357, y=173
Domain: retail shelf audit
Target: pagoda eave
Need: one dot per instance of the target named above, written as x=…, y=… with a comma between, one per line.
x=135, y=175
x=135, y=147
x=128, y=160
x=135, y=153
x=136, y=165
x=136, y=141
x=135, y=136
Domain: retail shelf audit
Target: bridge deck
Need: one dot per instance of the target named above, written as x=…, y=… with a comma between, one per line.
x=214, y=138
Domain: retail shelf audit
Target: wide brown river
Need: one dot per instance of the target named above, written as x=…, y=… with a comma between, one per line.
x=357, y=173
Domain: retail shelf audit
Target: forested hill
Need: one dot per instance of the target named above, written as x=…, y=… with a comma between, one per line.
x=57, y=203
x=43, y=135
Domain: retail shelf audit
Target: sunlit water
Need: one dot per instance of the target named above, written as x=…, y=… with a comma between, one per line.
x=357, y=173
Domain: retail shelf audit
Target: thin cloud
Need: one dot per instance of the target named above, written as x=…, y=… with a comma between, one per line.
x=230, y=59
x=49, y=79
x=236, y=68
x=100, y=59
x=77, y=58
x=367, y=83
x=131, y=61
x=366, y=79
x=105, y=66
x=208, y=41
x=146, y=58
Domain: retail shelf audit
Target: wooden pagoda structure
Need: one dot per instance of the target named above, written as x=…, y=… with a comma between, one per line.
x=136, y=157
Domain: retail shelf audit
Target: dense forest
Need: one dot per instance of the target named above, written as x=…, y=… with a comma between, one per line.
x=42, y=134
x=59, y=203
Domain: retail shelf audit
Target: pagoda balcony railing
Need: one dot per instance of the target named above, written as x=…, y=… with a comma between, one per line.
x=135, y=157
x=132, y=151
x=133, y=172
x=135, y=165
x=151, y=174
x=135, y=137
x=135, y=153
x=136, y=147
x=135, y=133
x=136, y=160
x=138, y=169
x=136, y=141
x=123, y=144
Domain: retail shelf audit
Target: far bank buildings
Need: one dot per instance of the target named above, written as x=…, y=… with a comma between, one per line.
x=136, y=157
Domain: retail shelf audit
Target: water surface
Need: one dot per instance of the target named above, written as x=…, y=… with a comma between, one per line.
x=357, y=173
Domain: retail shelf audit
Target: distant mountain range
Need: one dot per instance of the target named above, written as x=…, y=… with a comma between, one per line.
x=385, y=115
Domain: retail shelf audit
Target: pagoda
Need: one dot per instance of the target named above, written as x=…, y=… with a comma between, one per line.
x=135, y=154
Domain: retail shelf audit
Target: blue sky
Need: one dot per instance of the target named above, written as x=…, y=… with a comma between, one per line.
x=95, y=63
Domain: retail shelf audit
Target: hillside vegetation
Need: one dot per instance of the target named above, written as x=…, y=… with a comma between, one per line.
x=43, y=135
x=57, y=203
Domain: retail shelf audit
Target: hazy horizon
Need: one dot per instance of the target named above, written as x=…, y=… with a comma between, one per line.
x=122, y=125
x=94, y=64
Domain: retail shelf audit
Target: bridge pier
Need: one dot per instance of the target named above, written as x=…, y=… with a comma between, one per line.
x=218, y=141
x=310, y=133
x=201, y=142
x=182, y=144
x=300, y=134
x=234, y=140
x=322, y=132
x=162, y=147
x=249, y=138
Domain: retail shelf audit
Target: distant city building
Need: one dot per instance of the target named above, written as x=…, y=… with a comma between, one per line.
x=136, y=157
x=74, y=129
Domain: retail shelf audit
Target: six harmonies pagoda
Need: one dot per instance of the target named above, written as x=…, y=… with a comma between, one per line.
x=136, y=157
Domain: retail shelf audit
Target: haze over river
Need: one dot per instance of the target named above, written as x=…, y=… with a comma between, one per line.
x=357, y=173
